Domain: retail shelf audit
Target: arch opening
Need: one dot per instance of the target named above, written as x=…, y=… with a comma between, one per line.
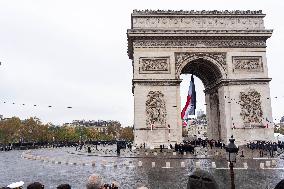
x=207, y=71
x=209, y=74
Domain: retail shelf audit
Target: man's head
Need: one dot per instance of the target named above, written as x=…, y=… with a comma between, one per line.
x=94, y=182
x=201, y=180
x=35, y=185
x=280, y=185
x=64, y=186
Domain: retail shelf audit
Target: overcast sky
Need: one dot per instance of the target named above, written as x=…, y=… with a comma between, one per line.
x=74, y=53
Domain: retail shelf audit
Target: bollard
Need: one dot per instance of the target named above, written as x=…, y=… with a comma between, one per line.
x=273, y=162
x=228, y=164
x=168, y=164
x=267, y=163
x=174, y=153
x=139, y=163
x=146, y=153
x=197, y=164
x=182, y=164
x=153, y=164
x=213, y=165
x=155, y=153
x=245, y=165
x=93, y=163
x=261, y=165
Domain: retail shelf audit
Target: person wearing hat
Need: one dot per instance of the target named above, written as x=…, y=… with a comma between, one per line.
x=201, y=180
x=16, y=185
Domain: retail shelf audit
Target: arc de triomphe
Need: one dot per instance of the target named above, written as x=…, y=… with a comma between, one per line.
x=225, y=49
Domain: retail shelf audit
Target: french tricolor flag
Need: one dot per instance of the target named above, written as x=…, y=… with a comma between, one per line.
x=190, y=105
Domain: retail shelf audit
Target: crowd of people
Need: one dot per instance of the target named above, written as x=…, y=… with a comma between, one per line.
x=266, y=146
x=189, y=146
x=199, y=179
x=93, y=182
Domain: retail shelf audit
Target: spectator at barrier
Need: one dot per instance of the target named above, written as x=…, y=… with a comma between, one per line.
x=280, y=185
x=94, y=182
x=201, y=180
x=64, y=186
x=35, y=185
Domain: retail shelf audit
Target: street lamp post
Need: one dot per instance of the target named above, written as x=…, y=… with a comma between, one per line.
x=232, y=151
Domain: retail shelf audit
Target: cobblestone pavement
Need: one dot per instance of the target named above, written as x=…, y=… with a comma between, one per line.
x=126, y=170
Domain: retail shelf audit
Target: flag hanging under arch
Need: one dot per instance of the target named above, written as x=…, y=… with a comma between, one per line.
x=190, y=105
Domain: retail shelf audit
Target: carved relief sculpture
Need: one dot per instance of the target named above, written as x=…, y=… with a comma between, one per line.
x=251, y=111
x=155, y=109
x=247, y=64
x=154, y=65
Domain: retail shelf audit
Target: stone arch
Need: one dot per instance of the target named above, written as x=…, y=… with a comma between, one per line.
x=226, y=56
x=209, y=67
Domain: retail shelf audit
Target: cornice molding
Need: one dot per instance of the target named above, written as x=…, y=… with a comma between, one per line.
x=243, y=81
x=198, y=12
x=157, y=82
x=200, y=31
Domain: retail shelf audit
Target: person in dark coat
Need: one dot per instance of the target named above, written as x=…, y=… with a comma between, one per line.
x=63, y=186
x=280, y=185
x=201, y=180
x=35, y=185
